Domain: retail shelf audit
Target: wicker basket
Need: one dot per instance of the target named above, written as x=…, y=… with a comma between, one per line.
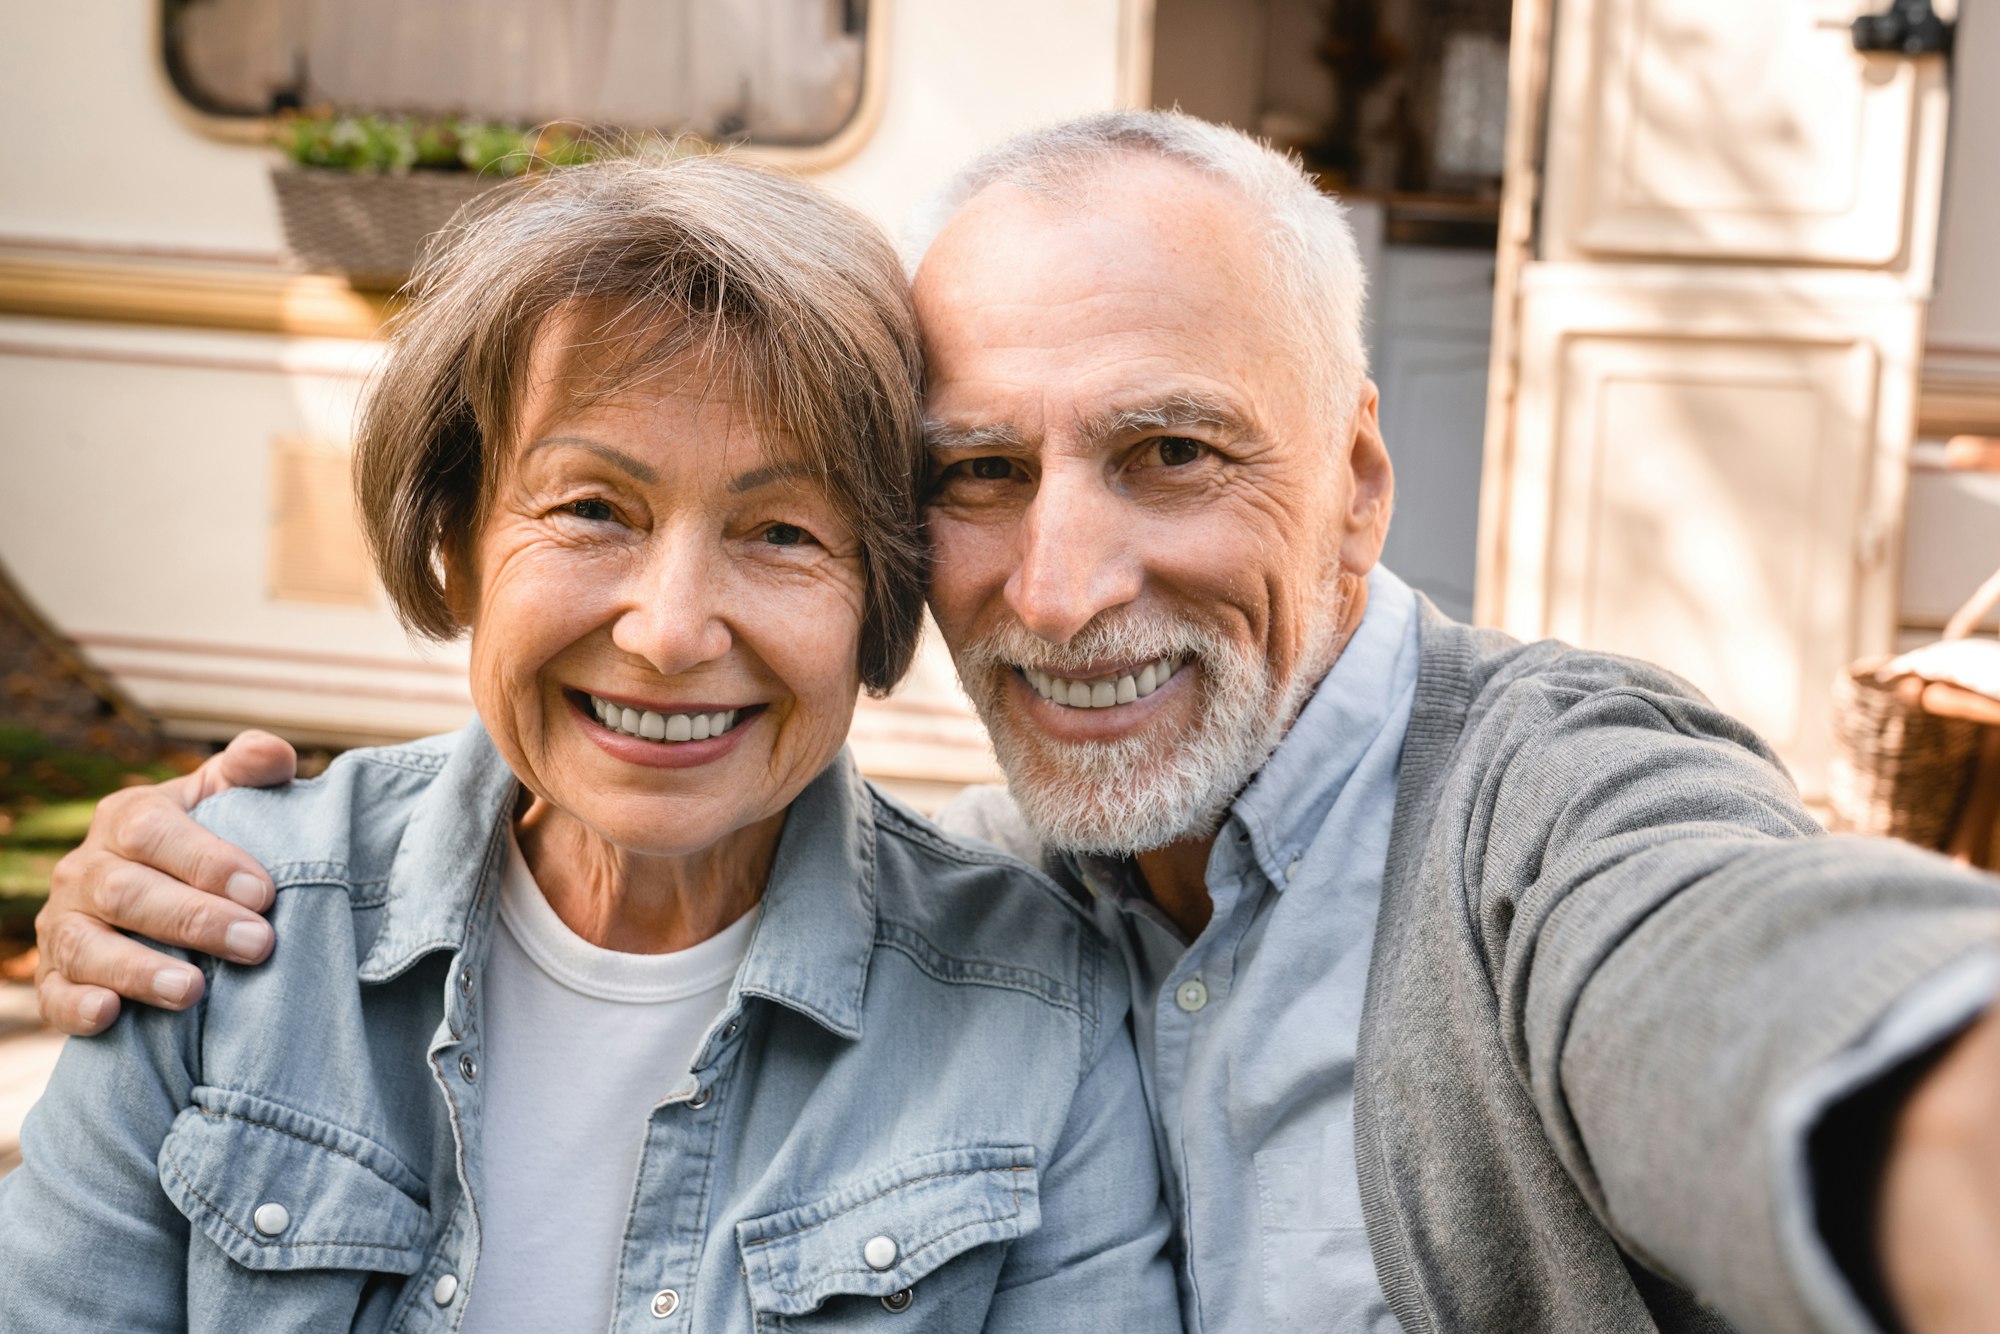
x=1898, y=770
x=368, y=228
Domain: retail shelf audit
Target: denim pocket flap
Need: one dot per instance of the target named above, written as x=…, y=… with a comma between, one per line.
x=881, y=1235
x=277, y=1189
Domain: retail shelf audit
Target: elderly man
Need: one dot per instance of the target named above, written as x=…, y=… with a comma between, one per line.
x=1482, y=986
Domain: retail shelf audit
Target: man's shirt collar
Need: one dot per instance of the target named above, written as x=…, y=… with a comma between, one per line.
x=1287, y=803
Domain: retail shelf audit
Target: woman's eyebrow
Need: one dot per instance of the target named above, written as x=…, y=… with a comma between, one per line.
x=617, y=457
x=772, y=472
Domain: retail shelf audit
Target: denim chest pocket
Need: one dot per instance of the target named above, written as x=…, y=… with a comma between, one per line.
x=913, y=1247
x=277, y=1189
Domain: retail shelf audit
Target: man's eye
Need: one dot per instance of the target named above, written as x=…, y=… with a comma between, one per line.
x=991, y=469
x=1177, y=450
x=596, y=511
x=785, y=535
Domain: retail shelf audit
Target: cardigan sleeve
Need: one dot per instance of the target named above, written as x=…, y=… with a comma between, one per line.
x=1681, y=957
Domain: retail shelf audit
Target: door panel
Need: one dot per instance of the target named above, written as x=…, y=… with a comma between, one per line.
x=1709, y=475
x=1721, y=129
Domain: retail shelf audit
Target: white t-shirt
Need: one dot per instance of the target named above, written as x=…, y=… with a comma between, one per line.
x=581, y=1044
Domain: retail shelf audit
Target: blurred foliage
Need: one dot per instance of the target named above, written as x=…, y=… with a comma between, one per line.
x=47, y=793
x=391, y=145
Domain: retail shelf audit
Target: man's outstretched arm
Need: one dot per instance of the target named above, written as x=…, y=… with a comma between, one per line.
x=147, y=867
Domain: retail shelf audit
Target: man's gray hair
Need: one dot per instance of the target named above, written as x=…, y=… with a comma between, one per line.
x=1315, y=268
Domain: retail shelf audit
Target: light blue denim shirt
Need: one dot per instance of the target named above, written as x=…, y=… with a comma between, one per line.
x=926, y=1042
x=1248, y=1034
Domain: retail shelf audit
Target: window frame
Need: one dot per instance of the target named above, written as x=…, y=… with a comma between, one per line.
x=839, y=147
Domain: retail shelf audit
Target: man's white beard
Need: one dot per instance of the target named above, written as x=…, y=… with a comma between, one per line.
x=1155, y=786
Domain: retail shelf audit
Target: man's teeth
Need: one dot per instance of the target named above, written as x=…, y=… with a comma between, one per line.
x=662, y=726
x=1105, y=691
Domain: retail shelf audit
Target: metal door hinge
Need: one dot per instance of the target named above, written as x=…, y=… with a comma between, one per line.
x=1905, y=28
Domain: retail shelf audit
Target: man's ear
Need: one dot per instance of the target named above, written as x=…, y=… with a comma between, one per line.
x=1371, y=487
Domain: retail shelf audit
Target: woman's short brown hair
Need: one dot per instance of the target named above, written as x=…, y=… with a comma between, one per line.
x=799, y=299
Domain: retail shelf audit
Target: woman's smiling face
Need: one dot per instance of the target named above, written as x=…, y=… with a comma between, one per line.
x=660, y=562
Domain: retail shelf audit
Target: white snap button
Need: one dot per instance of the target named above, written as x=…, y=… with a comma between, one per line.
x=1191, y=995
x=665, y=1302
x=271, y=1219
x=445, y=1289
x=880, y=1252
x=1292, y=871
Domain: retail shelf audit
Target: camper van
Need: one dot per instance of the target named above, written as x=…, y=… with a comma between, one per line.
x=1651, y=307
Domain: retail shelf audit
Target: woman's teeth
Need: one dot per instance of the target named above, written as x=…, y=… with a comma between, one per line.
x=1105, y=691
x=652, y=726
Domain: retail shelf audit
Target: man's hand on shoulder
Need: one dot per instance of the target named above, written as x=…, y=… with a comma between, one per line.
x=147, y=867
x=1938, y=1221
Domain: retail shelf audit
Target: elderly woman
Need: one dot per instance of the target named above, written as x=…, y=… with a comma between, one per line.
x=630, y=1005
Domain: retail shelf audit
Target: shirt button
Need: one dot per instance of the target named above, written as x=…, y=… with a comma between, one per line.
x=729, y=1029
x=880, y=1252
x=271, y=1219
x=1191, y=995
x=1292, y=871
x=465, y=980
x=665, y=1302
x=898, y=1302
x=445, y=1289
x=468, y=1067
x=700, y=1098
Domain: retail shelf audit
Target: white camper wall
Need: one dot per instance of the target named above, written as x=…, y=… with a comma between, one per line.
x=165, y=482
x=99, y=150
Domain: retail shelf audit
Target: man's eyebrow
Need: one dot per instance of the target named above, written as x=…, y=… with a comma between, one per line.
x=617, y=457
x=951, y=438
x=1174, y=412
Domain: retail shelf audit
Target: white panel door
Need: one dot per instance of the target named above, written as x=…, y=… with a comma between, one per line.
x=1701, y=457
x=1745, y=129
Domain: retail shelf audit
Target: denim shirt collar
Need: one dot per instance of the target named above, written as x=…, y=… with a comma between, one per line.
x=815, y=931
x=1286, y=804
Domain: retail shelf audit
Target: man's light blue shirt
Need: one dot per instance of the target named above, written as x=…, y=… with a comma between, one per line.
x=1247, y=1036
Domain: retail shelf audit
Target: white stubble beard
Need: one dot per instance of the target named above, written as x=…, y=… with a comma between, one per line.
x=1146, y=789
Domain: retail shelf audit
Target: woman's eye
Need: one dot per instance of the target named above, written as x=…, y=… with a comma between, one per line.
x=1177, y=450
x=785, y=535
x=596, y=511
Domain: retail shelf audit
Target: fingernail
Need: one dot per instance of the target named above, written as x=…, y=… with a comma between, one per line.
x=91, y=1009
x=247, y=942
x=247, y=890
x=172, y=984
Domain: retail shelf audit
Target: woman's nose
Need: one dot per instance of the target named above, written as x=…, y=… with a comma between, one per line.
x=671, y=613
x=1076, y=556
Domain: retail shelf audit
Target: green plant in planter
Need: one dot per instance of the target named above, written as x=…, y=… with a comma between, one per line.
x=392, y=145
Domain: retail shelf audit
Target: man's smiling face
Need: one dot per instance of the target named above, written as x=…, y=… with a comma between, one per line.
x=1149, y=536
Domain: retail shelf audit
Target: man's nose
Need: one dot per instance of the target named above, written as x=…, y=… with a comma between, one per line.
x=672, y=612
x=1076, y=554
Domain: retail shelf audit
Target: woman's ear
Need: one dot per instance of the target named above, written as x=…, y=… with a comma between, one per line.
x=460, y=581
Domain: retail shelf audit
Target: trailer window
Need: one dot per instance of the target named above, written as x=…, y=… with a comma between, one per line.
x=777, y=72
